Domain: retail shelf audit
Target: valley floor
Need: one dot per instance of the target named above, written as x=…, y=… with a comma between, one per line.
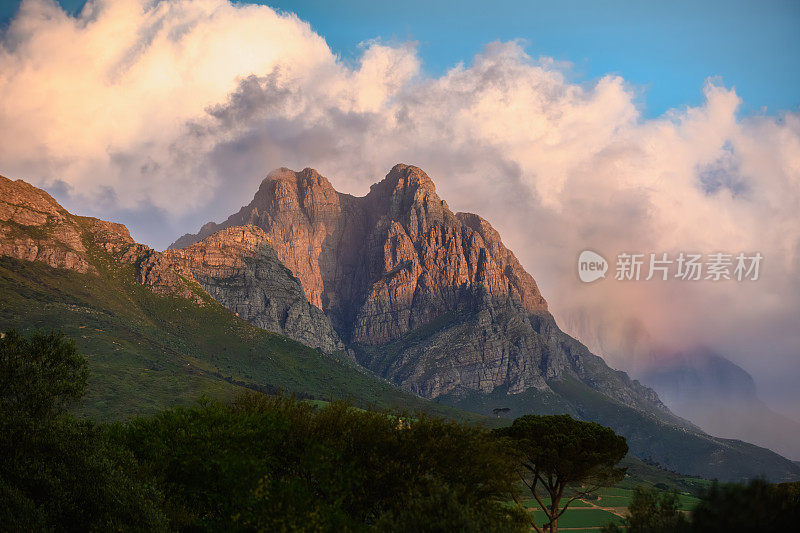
x=610, y=506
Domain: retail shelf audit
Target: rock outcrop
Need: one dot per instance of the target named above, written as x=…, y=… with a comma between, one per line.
x=239, y=268
x=34, y=227
x=427, y=298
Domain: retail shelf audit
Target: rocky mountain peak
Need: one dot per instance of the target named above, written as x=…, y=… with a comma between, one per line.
x=392, y=263
x=405, y=180
x=34, y=227
x=405, y=192
x=284, y=188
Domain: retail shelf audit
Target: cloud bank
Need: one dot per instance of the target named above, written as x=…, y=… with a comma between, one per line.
x=164, y=115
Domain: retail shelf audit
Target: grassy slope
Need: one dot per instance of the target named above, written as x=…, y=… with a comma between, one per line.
x=649, y=438
x=148, y=352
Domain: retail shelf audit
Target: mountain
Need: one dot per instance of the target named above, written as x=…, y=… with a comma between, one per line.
x=397, y=262
x=434, y=302
x=240, y=270
x=698, y=384
x=154, y=338
x=721, y=398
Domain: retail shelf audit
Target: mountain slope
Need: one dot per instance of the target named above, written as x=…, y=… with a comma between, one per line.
x=434, y=302
x=154, y=338
x=721, y=397
x=239, y=268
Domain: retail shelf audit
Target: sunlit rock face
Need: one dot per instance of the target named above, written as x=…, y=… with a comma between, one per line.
x=427, y=298
x=34, y=227
x=240, y=269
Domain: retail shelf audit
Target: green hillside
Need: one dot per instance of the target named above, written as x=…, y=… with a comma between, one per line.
x=148, y=352
x=650, y=439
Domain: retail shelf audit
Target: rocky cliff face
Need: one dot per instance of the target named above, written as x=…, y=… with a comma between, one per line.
x=239, y=268
x=383, y=264
x=428, y=298
x=34, y=227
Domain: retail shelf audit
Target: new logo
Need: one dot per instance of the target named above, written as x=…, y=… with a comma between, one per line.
x=591, y=266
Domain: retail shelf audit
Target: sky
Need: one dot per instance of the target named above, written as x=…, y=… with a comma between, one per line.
x=657, y=127
x=666, y=48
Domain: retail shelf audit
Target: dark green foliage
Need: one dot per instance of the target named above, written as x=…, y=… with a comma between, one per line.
x=756, y=506
x=652, y=511
x=56, y=472
x=557, y=451
x=272, y=463
x=39, y=375
x=438, y=509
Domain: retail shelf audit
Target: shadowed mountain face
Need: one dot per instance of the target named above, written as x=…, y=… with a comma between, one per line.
x=239, y=268
x=721, y=398
x=697, y=384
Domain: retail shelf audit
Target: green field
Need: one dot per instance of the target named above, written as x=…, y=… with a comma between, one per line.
x=610, y=506
x=612, y=502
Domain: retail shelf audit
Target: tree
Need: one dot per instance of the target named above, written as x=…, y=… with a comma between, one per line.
x=40, y=375
x=57, y=472
x=756, y=506
x=275, y=464
x=556, y=452
x=652, y=511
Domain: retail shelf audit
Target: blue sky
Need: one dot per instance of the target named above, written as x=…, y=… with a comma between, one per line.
x=667, y=48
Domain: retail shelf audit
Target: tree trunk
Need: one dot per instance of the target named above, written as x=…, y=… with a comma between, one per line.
x=554, y=512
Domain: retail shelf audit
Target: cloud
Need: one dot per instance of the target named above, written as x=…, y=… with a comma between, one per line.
x=178, y=109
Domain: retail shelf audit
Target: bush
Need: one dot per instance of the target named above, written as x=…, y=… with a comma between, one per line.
x=652, y=511
x=273, y=463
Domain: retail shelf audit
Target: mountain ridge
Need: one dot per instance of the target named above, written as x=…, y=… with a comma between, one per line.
x=720, y=397
x=155, y=337
x=386, y=264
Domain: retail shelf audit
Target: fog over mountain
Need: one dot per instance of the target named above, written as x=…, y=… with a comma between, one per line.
x=721, y=398
x=176, y=120
x=697, y=384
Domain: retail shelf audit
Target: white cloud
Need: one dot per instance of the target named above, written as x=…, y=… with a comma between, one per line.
x=143, y=106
